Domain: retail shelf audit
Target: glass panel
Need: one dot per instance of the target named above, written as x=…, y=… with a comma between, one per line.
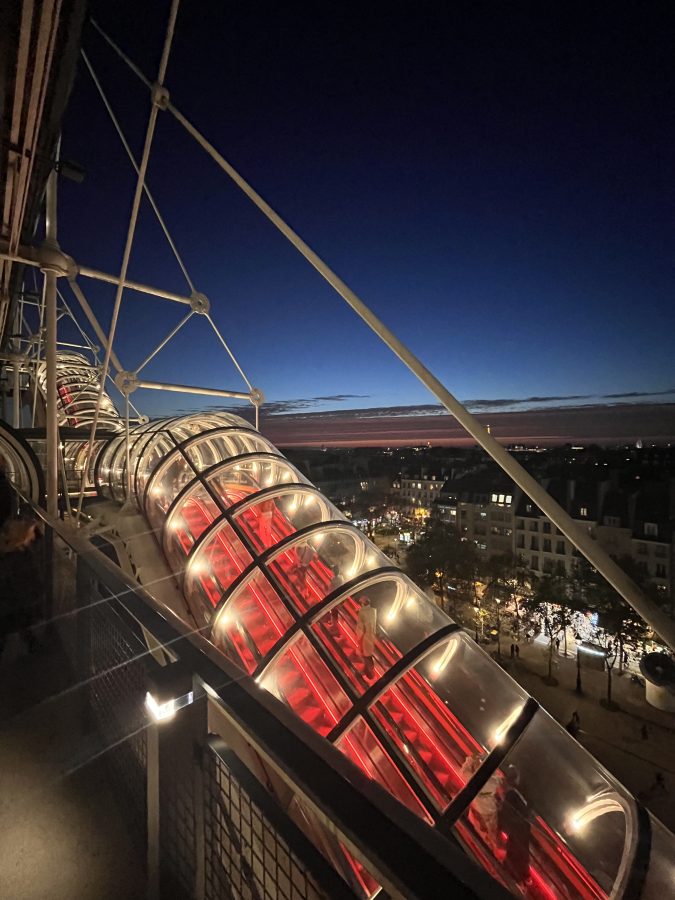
x=187, y=522
x=661, y=873
x=208, y=450
x=236, y=481
x=212, y=569
x=315, y=565
x=276, y=516
x=361, y=746
x=167, y=482
x=550, y=822
x=301, y=679
x=105, y=467
x=151, y=455
x=442, y=717
x=251, y=622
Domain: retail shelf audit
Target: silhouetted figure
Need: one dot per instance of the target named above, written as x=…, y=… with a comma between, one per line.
x=514, y=821
x=7, y=495
x=574, y=724
x=513, y=650
x=306, y=557
x=517, y=651
x=644, y=733
x=365, y=632
x=21, y=589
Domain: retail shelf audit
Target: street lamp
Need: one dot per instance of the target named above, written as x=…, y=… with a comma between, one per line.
x=475, y=621
x=499, y=628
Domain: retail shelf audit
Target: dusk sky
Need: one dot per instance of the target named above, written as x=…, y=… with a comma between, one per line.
x=496, y=184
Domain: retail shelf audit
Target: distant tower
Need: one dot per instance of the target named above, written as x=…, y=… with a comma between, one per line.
x=638, y=444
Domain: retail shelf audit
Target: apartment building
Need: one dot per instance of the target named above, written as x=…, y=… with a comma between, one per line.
x=418, y=496
x=481, y=506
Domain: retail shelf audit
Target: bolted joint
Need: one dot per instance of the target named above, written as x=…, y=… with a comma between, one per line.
x=143, y=420
x=126, y=382
x=160, y=96
x=199, y=303
x=257, y=397
x=53, y=259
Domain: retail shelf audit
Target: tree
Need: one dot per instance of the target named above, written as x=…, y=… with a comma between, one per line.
x=507, y=579
x=440, y=558
x=549, y=602
x=618, y=620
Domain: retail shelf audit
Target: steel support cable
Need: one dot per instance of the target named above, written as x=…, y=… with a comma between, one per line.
x=581, y=539
x=126, y=146
x=89, y=344
x=145, y=81
x=93, y=321
x=165, y=341
x=150, y=131
x=229, y=352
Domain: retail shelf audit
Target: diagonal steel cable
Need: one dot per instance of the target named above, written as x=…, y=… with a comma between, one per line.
x=148, y=194
x=150, y=131
x=163, y=343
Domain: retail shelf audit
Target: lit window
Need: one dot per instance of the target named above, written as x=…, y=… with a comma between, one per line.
x=583, y=511
x=651, y=529
x=509, y=498
x=501, y=498
x=494, y=498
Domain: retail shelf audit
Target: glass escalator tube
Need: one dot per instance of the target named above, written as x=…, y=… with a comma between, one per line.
x=299, y=598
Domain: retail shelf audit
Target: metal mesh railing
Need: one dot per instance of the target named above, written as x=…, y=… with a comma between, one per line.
x=116, y=696
x=246, y=857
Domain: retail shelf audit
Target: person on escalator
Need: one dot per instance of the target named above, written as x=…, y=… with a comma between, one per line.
x=514, y=823
x=306, y=557
x=335, y=582
x=366, y=626
x=266, y=509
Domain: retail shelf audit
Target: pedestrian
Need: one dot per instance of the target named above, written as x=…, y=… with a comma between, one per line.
x=574, y=725
x=514, y=822
x=644, y=733
x=659, y=784
x=513, y=650
x=21, y=589
x=625, y=658
x=517, y=651
x=306, y=555
x=557, y=645
x=365, y=632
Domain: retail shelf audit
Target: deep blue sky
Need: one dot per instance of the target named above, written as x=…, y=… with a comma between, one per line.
x=496, y=183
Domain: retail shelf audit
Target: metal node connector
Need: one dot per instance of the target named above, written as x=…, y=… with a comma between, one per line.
x=199, y=303
x=126, y=382
x=160, y=96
